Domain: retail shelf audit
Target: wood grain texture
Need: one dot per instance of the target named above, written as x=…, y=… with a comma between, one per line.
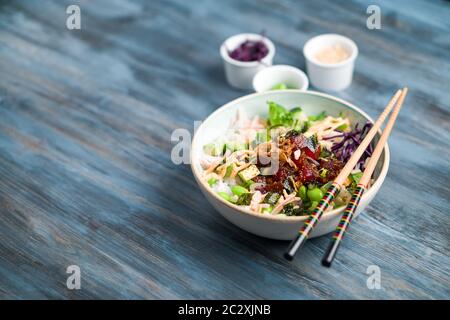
x=85, y=171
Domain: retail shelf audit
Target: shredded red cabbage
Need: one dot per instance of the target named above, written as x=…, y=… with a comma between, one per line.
x=250, y=50
x=350, y=142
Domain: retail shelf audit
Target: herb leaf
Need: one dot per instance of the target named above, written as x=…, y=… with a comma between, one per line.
x=278, y=115
x=244, y=199
x=356, y=177
x=319, y=117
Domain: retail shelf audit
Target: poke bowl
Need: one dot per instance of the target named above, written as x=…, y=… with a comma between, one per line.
x=311, y=136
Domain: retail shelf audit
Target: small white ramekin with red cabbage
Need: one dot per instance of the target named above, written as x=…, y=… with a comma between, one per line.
x=244, y=55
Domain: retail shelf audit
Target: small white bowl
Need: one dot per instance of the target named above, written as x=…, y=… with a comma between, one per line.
x=330, y=76
x=269, y=77
x=239, y=74
x=279, y=227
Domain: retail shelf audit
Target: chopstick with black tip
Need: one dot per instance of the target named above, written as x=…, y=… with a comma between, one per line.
x=332, y=191
x=350, y=210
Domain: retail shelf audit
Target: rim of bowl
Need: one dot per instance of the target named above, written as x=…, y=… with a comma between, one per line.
x=282, y=67
x=342, y=38
x=269, y=56
x=278, y=217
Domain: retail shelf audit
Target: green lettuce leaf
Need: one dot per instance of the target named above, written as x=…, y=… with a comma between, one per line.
x=278, y=115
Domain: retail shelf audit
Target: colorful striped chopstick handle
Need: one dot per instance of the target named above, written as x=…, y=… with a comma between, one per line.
x=312, y=220
x=343, y=225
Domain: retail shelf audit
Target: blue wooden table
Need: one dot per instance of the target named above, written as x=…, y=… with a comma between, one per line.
x=86, y=177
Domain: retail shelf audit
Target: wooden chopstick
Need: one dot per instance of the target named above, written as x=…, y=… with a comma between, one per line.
x=361, y=187
x=370, y=167
x=332, y=191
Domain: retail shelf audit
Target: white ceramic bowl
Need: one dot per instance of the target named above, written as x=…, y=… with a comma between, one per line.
x=278, y=226
x=239, y=74
x=269, y=77
x=336, y=76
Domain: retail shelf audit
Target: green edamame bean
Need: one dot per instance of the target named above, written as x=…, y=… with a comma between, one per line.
x=238, y=190
x=268, y=210
x=315, y=194
x=280, y=86
x=313, y=205
x=302, y=192
x=225, y=196
x=212, y=181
